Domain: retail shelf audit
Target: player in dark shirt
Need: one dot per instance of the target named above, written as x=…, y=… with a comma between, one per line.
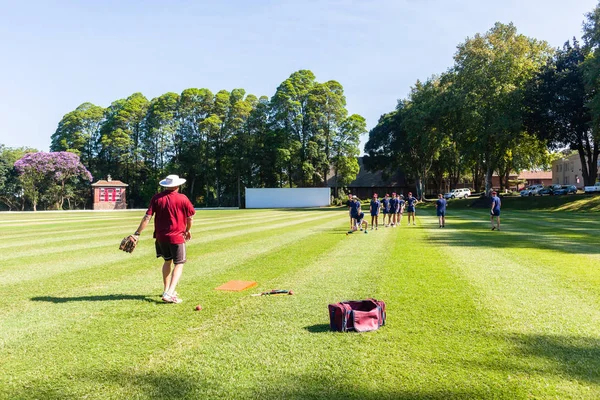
x=401, y=205
x=349, y=205
x=393, y=210
x=385, y=207
x=495, y=211
x=411, y=202
x=374, y=208
x=440, y=208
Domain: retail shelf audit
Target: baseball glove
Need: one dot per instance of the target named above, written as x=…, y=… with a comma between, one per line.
x=128, y=243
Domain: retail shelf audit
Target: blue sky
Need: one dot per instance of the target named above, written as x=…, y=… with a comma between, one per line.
x=57, y=55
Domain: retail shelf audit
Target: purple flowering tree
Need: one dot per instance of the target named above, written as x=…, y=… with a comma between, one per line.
x=52, y=177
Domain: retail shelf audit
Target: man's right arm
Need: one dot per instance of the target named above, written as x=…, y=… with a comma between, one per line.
x=143, y=224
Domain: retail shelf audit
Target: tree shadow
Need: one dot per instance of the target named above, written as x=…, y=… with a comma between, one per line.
x=318, y=328
x=574, y=357
x=108, y=297
x=182, y=384
x=473, y=234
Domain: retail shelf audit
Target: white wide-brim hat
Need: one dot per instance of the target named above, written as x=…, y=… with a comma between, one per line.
x=172, y=181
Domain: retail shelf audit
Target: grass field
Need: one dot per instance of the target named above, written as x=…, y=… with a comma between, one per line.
x=471, y=313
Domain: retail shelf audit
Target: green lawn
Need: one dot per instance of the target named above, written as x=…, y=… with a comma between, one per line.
x=471, y=313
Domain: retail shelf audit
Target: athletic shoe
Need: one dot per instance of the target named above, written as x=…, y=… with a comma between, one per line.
x=168, y=298
x=176, y=300
x=493, y=228
x=376, y=228
x=414, y=223
x=440, y=226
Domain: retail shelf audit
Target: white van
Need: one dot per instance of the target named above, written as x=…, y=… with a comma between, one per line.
x=458, y=194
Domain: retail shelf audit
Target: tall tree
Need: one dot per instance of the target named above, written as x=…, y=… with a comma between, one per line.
x=10, y=186
x=344, y=149
x=79, y=132
x=50, y=176
x=491, y=71
x=290, y=115
x=557, y=107
x=195, y=105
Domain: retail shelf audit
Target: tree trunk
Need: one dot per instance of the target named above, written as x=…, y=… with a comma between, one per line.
x=488, y=180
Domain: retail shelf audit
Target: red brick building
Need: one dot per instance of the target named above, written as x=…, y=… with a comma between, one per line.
x=524, y=179
x=109, y=194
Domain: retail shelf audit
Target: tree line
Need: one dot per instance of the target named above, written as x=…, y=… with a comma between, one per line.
x=506, y=103
x=220, y=142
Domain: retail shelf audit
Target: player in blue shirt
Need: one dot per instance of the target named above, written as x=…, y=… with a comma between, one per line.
x=411, y=202
x=349, y=205
x=374, y=208
x=495, y=211
x=401, y=206
x=385, y=207
x=393, y=210
x=440, y=208
x=355, y=212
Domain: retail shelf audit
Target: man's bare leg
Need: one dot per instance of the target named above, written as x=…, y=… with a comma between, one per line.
x=166, y=271
x=177, y=270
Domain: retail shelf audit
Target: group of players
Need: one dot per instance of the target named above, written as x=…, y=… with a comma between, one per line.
x=393, y=208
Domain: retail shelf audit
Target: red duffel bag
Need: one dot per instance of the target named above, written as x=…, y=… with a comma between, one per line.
x=359, y=316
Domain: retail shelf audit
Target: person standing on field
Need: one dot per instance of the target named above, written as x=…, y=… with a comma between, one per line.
x=374, y=208
x=401, y=205
x=411, y=202
x=385, y=206
x=495, y=211
x=173, y=221
x=440, y=208
x=349, y=205
x=393, y=210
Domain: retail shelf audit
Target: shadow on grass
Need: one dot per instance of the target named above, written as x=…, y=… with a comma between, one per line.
x=109, y=297
x=557, y=236
x=571, y=357
x=189, y=385
x=319, y=328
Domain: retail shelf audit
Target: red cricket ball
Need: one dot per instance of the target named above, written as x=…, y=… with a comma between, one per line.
x=291, y=292
x=198, y=307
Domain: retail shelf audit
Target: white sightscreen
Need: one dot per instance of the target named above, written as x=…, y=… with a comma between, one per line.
x=287, y=198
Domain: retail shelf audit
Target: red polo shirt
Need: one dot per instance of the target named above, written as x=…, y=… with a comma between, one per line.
x=171, y=210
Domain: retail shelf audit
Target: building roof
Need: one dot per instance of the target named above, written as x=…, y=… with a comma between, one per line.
x=535, y=175
x=111, y=183
x=529, y=175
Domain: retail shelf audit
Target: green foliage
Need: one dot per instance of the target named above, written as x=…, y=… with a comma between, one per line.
x=558, y=107
x=221, y=142
x=11, y=190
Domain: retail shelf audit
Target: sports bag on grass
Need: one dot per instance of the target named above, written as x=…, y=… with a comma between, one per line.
x=359, y=316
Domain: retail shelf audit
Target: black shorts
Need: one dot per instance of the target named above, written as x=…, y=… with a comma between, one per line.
x=169, y=251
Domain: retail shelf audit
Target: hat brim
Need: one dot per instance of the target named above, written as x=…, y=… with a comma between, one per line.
x=175, y=183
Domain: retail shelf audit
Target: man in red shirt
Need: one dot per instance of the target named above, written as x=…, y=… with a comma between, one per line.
x=172, y=228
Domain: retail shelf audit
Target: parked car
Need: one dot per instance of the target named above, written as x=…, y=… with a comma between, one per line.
x=549, y=190
x=559, y=192
x=571, y=189
x=528, y=191
x=592, y=189
x=531, y=190
x=458, y=194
